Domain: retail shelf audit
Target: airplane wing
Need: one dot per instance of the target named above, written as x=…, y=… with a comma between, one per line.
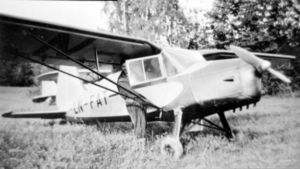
x=22, y=37
x=52, y=114
x=219, y=54
x=274, y=56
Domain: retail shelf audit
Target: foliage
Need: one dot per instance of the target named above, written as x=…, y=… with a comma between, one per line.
x=260, y=25
x=16, y=74
x=159, y=21
x=274, y=86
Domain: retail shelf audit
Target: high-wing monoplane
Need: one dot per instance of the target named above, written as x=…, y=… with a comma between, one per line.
x=177, y=84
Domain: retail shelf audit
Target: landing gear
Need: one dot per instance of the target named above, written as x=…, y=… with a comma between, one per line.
x=226, y=127
x=171, y=145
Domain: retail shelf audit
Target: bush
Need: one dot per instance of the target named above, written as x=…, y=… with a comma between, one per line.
x=16, y=74
x=274, y=86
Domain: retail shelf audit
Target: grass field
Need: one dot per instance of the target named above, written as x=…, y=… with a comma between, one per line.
x=269, y=137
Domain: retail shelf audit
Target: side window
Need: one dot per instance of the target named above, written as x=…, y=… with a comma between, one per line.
x=144, y=70
x=136, y=72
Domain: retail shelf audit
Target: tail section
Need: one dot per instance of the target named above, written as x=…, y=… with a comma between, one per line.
x=69, y=89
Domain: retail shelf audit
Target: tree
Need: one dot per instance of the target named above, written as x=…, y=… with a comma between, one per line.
x=262, y=26
x=16, y=74
x=163, y=22
x=259, y=25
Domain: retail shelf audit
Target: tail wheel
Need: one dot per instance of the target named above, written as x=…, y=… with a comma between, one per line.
x=171, y=146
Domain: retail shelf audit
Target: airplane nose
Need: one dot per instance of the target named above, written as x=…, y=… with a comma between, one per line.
x=251, y=83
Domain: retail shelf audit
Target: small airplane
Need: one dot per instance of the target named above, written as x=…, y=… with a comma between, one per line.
x=178, y=85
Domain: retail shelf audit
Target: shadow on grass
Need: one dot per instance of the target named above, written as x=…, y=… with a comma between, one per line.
x=239, y=131
x=159, y=129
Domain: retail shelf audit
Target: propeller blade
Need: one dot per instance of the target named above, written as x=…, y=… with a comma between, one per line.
x=246, y=55
x=260, y=64
x=250, y=58
x=279, y=75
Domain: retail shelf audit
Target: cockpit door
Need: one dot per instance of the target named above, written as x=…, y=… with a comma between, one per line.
x=146, y=70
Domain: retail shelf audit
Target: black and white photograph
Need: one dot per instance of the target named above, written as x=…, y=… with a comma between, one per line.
x=149, y=84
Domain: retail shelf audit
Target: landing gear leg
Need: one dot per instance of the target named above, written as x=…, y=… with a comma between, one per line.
x=226, y=126
x=171, y=144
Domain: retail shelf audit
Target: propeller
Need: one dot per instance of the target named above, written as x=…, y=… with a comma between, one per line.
x=260, y=64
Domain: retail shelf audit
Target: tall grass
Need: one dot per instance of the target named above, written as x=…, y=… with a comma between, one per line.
x=268, y=137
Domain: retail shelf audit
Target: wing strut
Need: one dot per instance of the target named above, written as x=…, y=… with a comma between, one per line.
x=97, y=61
x=87, y=81
x=79, y=63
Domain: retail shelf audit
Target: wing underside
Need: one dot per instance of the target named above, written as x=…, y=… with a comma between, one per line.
x=19, y=36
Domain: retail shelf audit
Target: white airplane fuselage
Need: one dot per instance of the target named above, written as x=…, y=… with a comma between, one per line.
x=231, y=79
x=218, y=85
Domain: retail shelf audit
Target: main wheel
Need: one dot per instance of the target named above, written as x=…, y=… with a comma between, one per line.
x=171, y=146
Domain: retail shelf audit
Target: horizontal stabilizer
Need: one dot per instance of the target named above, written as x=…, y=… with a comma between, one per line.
x=54, y=114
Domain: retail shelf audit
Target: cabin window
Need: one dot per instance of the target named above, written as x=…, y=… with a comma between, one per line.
x=144, y=69
x=136, y=71
x=152, y=68
x=219, y=56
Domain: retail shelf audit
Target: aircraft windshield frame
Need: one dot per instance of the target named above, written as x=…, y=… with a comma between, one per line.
x=144, y=70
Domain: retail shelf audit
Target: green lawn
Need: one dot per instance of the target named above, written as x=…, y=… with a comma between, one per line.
x=269, y=137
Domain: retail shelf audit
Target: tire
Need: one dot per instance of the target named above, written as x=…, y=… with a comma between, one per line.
x=171, y=146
